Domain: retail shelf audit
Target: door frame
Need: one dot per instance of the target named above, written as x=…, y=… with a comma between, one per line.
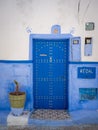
x=49, y=37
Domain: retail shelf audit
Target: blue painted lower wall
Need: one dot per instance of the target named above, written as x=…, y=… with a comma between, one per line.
x=75, y=83
x=22, y=71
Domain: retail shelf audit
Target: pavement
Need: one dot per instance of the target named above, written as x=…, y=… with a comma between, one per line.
x=79, y=120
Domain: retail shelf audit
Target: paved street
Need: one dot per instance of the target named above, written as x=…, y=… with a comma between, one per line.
x=85, y=127
x=78, y=120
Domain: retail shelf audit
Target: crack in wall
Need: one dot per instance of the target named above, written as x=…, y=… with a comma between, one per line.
x=86, y=10
x=79, y=5
x=80, y=9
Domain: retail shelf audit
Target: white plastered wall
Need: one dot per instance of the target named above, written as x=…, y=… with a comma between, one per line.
x=19, y=18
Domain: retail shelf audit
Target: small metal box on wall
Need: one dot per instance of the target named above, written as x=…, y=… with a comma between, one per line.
x=88, y=46
x=89, y=26
x=75, y=49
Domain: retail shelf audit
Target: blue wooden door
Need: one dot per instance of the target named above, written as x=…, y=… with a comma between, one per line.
x=50, y=73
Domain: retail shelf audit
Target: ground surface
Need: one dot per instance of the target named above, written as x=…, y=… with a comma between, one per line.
x=50, y=114
x=78, y=120
x=85, y=127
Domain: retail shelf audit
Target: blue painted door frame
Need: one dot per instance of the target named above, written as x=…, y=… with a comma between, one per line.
x=50, y=71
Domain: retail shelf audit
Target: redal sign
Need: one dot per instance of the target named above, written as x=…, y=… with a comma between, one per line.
x=87, y=72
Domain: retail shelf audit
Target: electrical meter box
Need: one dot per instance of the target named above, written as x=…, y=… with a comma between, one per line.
x=88, y=46
x=75, y=49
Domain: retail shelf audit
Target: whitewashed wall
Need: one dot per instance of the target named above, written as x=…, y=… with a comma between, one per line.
x=19, y=18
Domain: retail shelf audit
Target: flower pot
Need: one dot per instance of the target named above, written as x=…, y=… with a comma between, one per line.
x=17, y=101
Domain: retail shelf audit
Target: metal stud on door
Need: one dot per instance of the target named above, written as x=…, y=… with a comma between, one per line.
x=50, y=73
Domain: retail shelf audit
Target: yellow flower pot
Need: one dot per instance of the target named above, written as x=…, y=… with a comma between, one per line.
x=17, y=101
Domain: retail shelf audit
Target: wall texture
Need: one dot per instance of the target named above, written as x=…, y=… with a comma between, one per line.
x=20, y=71
x=75, y=83
x=19, y=18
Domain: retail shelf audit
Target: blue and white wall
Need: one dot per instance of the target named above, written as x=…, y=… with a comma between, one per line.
x=75, y=83
x=20, y=71
x=19, y=18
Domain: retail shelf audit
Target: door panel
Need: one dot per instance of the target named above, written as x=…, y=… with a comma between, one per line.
x=50, y=73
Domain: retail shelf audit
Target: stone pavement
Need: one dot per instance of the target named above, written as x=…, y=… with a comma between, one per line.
x=78, y=120
x=81, y=127
x=50, y=114
x=79, y=117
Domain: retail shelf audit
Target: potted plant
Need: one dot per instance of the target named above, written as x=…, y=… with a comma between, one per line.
x=17, y=100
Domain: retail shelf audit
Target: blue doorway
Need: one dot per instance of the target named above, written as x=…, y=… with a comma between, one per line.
x=50, y=73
